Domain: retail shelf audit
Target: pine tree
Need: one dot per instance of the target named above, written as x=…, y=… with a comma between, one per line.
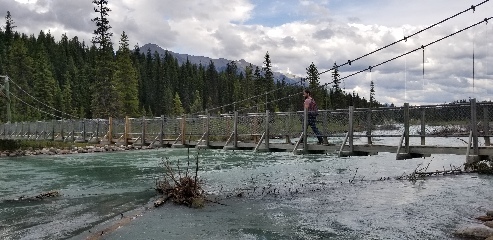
x=249, y=86
x=167, y=101
x=335, y=77
x=9, y=29
x=372, y=94
x=66, y=102
x=212, y=87
x=268, y=81
x=314, y=82
x=126, y=78
x=45, y=87
x=177, y=106
x=259, y=90
x=197, y=103
x=6, y=38
x=337, y=97
x=106, y=100
x=267, y=68
x=20, y=68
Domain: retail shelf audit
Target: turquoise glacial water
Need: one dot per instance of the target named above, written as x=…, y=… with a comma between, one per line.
x=283, y=196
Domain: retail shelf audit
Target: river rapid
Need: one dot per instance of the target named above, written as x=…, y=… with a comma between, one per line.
x=262, y=196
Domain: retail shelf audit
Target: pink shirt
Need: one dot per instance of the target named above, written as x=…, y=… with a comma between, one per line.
x=307, y=102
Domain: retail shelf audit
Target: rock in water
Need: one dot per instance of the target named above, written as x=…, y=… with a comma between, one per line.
x=474, y=231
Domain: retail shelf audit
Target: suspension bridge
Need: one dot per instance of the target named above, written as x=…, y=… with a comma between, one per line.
x=462, y=129
x=407, y=131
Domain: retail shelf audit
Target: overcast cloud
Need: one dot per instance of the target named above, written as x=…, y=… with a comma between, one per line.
x=299, y=32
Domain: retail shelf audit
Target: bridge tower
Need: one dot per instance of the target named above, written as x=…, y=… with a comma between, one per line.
x=5, y=88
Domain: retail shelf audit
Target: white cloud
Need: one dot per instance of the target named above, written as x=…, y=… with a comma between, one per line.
x=298, y=32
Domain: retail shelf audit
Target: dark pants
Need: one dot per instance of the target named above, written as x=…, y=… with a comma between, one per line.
x=312, y=121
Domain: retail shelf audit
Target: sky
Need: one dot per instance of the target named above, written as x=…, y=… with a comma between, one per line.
x=297, y=33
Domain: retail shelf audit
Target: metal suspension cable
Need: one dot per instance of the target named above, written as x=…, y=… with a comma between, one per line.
x=51, y=114
x=273, y=101
x=42, y=103
x=253, y=97
x=473, y=7
x=417, y=49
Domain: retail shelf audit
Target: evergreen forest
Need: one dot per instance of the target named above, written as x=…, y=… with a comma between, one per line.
x=71, y=78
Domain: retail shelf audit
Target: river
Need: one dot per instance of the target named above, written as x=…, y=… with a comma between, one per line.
x=283, y=196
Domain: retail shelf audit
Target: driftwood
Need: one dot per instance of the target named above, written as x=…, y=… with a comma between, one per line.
x=41, y=196
x=160, y=201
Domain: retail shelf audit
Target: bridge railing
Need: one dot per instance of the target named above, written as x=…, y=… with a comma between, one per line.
x=366, y=125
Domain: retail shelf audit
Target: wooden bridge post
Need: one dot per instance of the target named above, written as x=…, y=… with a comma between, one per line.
x=126, y=131
x=351, y=128
x=22, y=130
x=143, y=134
x=369, y=125
x=36, y=131
x=405, y=138
x=183, y=125
x=53, y=130
x=267, y=134
x=73, y=131
x=473, y=136
x=84, y=130
x=109, y=134
x=406, y=127
x=474, y=126
x=305, y=128
x=28, y=131
x=423, y=127
x=235, y=130
x=97, y=130
x=161, y=133
x=45, y=131
x=207, y=127
x=61, y=129
x=486, y=126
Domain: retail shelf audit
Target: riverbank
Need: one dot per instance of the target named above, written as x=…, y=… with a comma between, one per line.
x=71, y=150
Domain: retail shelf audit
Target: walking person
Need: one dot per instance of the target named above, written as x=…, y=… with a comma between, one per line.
x=311, y=106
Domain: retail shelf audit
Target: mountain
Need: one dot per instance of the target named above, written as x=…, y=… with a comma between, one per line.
x=219, y=63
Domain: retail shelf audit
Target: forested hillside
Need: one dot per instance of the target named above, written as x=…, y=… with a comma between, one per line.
x=71, y=78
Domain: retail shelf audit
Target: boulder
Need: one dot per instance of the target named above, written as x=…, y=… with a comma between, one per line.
x=474, y=231
x=485, y=218
x=44, y=151
x=488, y=224
x=489, y=213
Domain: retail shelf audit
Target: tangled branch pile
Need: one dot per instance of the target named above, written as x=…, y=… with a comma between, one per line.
x=483, y=167
x=449, y=130
x=422, y=172
x=184, y=190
